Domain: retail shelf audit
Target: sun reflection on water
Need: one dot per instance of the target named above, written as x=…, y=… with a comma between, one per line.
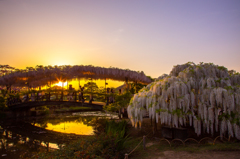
x=73, y=127
x=79, y=123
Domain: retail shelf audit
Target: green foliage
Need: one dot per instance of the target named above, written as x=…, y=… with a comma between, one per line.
x=152, y=79
x=233, y=117
x=222, y=68
x=135, y=87
x=90, y=86
x=180, y=97
x=4, y=95
x=224, y=116
x=228, y=88
x=118, y=131
x=191, y=70
x=100, y=96
x=179, y=112
x=190, y=63
x=44, y=110
x=161, y=110
x=3, y=105
x=200, y=67
x=4, y=92
x=120, y=101
x=219, y=80
x=165, y=86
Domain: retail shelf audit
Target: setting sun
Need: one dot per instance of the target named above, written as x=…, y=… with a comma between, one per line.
x=61, y=84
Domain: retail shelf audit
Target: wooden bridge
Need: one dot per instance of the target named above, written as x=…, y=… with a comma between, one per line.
x=64, y=98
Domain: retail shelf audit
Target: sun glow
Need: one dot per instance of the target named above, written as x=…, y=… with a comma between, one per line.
x=101, y=83
x=61, y=84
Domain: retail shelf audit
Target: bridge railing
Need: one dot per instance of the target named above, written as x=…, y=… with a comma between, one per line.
x=60, y=95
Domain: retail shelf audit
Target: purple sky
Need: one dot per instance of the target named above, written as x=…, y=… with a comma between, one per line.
x=149, y=36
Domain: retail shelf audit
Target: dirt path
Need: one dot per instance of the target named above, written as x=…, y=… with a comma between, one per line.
x=196, y=155
x=154, y=152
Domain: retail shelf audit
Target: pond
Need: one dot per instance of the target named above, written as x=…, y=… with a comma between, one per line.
x=17, y=137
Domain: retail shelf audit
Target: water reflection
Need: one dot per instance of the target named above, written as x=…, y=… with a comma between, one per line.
x=70, y=127
x=12, y=144
x=81, y=123
x=33, y=134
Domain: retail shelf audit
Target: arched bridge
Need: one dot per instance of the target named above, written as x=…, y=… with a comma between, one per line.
x=29, y=100
x=42, y=76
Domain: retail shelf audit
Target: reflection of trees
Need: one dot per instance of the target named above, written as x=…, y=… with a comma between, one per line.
x=43, y=124
x=89, y=121
x=11, y=141
x=24, y=135
x=19, y=144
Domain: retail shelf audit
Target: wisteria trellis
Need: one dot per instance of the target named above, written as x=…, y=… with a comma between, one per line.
x=40, y=75
x=205, y=96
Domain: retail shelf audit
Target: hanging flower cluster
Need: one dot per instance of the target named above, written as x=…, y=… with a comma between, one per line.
x=40, y=75
x=205, y=96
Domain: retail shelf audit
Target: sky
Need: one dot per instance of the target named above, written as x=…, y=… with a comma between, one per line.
x=142, y=35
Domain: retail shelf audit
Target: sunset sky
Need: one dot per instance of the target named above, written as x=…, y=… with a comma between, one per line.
x=141, y=35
